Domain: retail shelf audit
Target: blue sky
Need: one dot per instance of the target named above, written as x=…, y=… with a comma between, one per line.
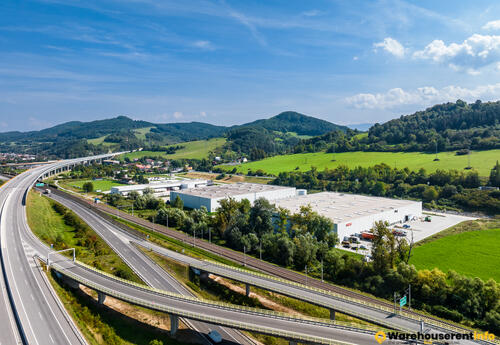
x=228, y=62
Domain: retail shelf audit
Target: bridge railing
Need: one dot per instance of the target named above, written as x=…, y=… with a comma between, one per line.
x=403, y=313
x=206, y=318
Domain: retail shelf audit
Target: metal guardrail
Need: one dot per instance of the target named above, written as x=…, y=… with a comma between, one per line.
x=190, y=315
x=427, y=320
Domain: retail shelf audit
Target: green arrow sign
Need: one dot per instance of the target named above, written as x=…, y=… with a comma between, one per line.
x=402, y=301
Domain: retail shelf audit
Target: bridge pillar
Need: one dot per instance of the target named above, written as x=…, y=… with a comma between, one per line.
x=101, y=297
x=204, y=275
x=174, y=324
x=247, y=288
x=332, y=314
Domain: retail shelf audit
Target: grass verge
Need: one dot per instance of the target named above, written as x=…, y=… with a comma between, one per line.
x=63, y=229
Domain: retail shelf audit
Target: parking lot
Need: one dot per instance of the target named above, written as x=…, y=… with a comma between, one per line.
x=419, y=228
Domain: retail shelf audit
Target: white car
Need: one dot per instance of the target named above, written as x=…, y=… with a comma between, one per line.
x=215, y=336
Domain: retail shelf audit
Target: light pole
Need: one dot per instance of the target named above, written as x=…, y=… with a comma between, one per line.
x=209, y=236
x=260, y=248
x=322, y=270
x=306, y=275
x=245, y=256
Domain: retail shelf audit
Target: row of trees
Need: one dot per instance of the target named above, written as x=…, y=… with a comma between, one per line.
x=450, y=189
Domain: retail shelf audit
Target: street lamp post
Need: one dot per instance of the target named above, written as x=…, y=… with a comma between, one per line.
x=245, y=256
x=306, y=275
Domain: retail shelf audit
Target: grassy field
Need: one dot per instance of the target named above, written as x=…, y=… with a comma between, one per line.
x=103, y=185
x=50, y=227
x=472, y=249
x=482, y=161
x=192, y=150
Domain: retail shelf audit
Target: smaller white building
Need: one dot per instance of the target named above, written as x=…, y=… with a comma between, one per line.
x=159, y=189
x=210, y=196
x=353, y=213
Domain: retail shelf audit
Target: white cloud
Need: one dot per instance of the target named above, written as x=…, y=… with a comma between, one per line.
x=355, y=58
x=493, y=25
x=392, y=46
x=311, y=13
x=476, y=51
x=425, y=96
x=178, y=115
x=203, y=114
x=206, y=45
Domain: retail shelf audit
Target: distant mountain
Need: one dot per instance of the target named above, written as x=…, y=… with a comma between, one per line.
x=363, y=127
x=290, y=121
x=75, y=138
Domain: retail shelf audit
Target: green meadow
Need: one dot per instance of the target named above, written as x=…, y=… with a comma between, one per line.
x=482, y=161
x=192, y=150
x=103, y=185
x=472, y=253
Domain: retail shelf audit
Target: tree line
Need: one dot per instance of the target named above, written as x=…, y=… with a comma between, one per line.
x=442, y=189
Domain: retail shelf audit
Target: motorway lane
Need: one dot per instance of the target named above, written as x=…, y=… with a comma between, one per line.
x=42, y=320
x=148, y=271
x=9, y=333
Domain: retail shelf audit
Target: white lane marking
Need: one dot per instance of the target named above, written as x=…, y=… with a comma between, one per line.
x=33, y=298
x=51, y=339
x=41, y=316
x=3, y=235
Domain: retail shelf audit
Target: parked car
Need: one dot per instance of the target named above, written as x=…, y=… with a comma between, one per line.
x=406, y=226
x=362, y=247
x=215, y=336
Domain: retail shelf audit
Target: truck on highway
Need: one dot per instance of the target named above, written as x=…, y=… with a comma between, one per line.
x=215, y=336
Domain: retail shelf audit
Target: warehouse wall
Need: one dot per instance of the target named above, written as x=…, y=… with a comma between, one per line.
x=397, y=215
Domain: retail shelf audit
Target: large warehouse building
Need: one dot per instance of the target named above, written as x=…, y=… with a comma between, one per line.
x=351, y=213
x=210, y=196
x=159, y=189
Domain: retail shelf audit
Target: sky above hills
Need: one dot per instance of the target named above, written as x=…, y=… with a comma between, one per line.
x=229, y=62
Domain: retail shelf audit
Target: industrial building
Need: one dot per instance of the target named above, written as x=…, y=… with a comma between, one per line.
x=160, y=189
x=351, y=213
x=210, y=196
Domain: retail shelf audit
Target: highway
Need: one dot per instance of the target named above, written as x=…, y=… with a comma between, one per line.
x=38, y=313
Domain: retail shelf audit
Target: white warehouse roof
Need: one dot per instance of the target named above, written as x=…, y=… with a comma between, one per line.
x=232, y=189
x=162, y=185
x=340, y=207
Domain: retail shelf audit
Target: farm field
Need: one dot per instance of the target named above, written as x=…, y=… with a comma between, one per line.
x=472, y=253
x=103, y=185
x=482, y=161
x=192, y=150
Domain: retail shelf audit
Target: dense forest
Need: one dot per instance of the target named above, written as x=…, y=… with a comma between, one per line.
x=443, y=127
x=450, y=189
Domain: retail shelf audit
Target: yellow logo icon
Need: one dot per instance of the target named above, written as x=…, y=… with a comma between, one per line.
x=380, y=337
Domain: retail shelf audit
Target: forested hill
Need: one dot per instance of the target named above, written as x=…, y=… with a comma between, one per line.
x=445, y=127
x=290, y=121
x=122, y=133
x=451, y=125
